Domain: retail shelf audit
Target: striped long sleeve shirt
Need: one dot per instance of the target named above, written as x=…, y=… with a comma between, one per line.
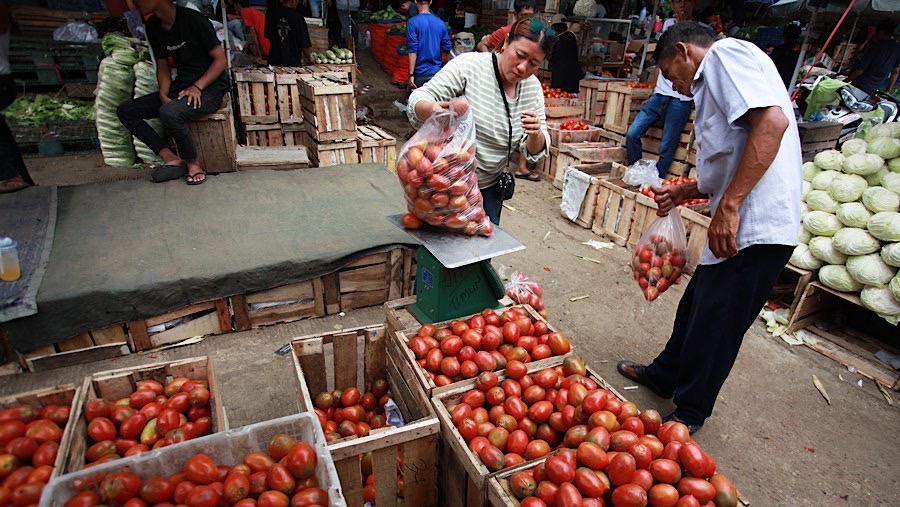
x=472, y=75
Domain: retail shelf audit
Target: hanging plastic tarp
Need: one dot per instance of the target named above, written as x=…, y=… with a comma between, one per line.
x=789, y=7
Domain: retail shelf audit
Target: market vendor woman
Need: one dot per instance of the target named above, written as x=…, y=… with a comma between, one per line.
x=507, y=121
x=189, y=38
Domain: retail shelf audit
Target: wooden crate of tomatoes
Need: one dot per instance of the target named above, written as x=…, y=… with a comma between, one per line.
x=442, y=354
x=257, y=103
x=348, y=379
x=279, y=462
x=35, y=433
x=538, y=411
x=572, y=131
x=133, y=410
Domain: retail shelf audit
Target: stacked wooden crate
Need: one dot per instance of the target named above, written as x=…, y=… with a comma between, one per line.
x=623, y=104
x=258, y=106
x=653, y=138
x=329, y=111
x=376, y=146
x=593, y=92
x=817, y=136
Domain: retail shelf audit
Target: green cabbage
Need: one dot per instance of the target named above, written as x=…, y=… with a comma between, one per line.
x=804, y=259
x=847, y=188
x=829, y=159
x=853, y=241
x=805, y=188
x=838, y=278
x=804, y=236
x=804, y=209
x=885, y=226
x=819, y=200
x=870, y=270
x=127, y=57
x=810, y=170
x=853, y=214
x=882, y=302
x=822, y=181
x=894, y=164
x=885, y=147
x=891, y=181
x=890, y=254
x=863, y=164
x=878, y=199
x=853, y=146
x=879, y=131
x=821, y=223
x=822, y=247
x=113, y=41
x=894, y=286
x=873, y=180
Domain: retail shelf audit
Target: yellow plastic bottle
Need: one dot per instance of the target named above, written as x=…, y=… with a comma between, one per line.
x=9, y=260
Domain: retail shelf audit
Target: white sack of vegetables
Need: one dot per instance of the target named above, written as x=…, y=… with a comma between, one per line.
x=853, y=214
x=829, y=159
x=853, y=241
x=882, y=302
x=878, y=199
x=838, y=278
x=870, y=270
x=804, y=259
x=847, y=188
x=862, y=164
x=823, y=249
x=890, y=254
x=115, y=83
x=885, y=226
x=821, y=223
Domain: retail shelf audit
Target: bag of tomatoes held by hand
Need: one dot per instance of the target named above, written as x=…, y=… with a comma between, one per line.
x=437, y=170
x=525, y=291
x=659, y=257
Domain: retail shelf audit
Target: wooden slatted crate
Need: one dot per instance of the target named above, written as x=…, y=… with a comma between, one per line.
x=267, y=134
x=696, y=227
x=463, y=477
x=326, y=154
x=376, y=146
x=95, y=345
x=593, y=94
x=215, y=138
x=549, y=165
x=572, y=154
x=623, y=103
x=329, y=108
x=287, y=303
x=621, y=212
x=333, y=361
x=113, y=385
x=257, y=102
x=287, y=91
x=597, y=172
x=211, y=317
x=67, y=395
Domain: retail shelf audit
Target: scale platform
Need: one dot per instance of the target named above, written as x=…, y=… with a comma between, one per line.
x=454, y=277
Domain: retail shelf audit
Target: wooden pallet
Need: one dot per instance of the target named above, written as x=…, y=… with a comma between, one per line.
x=368, y=281
x=597, y=171
x=113, y=385
x=276, y=158
x=319, y=369
x=95, y=345
x=376, y=146
x=329, y=153
x=66, y=395
x=215, y=138
x=462, y=470
x=211, y=317
x=623, y=103
x=845, y=345
x=329, y=108
x=621, y=212
x=257, y=102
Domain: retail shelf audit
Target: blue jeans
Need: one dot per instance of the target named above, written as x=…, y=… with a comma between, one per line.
x=315, y=8
x=674, y=114
x=493, y=202
x=236, y=28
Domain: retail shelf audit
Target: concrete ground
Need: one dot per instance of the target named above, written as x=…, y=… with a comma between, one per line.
x=772, y=433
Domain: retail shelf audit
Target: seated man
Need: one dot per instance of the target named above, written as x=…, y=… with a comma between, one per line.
x=188, y=37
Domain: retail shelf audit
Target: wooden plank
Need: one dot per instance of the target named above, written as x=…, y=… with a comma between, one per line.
x=112, y=334
x=81, y=341
x=351, y=480
x=223, y=314
x=77, y=356
x=375, y=356
x=140, y=338
x=870, y=369
x=310, y=356
x=394, y=275
x=331, y=284
x=201, y=326
x=345, y=360
x=241, y=317
x=361, y=299
x=181, y=312
x=369, y=278
x=295, y=291
x=385, y=462
x=420, y=471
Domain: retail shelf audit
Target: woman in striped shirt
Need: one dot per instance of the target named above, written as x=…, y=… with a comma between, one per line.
x=501, y=126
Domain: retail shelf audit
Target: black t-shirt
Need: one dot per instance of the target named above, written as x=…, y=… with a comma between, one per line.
x=188, y=42
x=288, y=35
x=566, y=68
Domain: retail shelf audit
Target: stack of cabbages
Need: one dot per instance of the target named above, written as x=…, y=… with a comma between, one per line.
x=851, y=224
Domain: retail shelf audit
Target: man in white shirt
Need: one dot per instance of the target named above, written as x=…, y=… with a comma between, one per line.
x=749, y=165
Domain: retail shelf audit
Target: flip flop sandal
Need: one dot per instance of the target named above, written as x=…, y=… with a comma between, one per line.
x=167, y=173
x=7, y=186
x=640, y=376
x=529, y=177
x=196, y=182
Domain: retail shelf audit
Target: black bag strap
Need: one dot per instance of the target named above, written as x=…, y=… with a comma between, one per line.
x=505, y=104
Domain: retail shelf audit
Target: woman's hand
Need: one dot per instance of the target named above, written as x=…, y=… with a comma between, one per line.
x=531, y=123
x=193, y=96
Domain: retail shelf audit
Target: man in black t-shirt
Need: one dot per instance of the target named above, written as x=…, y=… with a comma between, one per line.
x=288, y=35
x=189, y=38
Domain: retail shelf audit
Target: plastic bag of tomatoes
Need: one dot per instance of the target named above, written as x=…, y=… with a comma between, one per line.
x=525, y=291
x=437, y=170
x=659, y=257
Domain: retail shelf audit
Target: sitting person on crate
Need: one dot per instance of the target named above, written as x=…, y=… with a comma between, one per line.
x=189, y=38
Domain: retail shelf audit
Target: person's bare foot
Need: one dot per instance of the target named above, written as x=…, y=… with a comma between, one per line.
x=13, y=185
x=196, y=175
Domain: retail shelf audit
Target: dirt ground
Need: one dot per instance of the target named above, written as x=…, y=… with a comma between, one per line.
x=771, y=432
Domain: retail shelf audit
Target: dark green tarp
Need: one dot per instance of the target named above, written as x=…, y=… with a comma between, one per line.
x=131, y=249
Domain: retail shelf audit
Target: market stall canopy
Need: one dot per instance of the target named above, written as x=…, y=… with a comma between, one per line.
x=789, y=7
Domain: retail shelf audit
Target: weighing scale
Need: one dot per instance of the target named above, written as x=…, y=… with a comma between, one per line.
x=454, y=276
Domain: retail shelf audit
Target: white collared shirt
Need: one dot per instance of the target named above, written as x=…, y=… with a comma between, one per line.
x=734, y=77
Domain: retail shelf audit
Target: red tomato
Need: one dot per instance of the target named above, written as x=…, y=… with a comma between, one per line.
x=100, y=429
x=201, y=469
x=120, y=487
x=157, y=490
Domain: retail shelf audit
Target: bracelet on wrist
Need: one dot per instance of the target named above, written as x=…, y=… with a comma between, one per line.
x=197, y=87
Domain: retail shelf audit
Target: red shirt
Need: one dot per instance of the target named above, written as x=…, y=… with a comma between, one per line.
x=257, y=20
x=498, y=37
